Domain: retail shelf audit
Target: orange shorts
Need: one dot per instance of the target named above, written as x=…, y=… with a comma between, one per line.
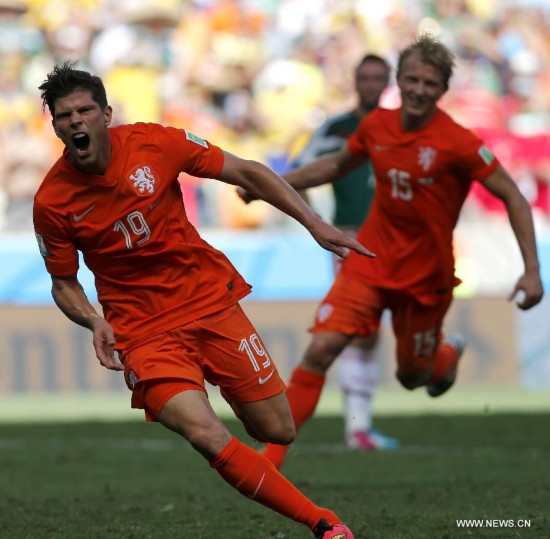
x=222, y=348
x=352, y=307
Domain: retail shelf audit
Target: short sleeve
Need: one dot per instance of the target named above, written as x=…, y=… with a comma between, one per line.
x=473, y=158
x=54, y=242
x=194, y=155
x=357, y=142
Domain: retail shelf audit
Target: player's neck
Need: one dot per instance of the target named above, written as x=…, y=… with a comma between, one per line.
x=413, y=122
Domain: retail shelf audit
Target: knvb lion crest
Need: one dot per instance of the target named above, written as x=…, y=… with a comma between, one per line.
x=426, y=157
x=133, y=379
x=324, y=311
x=143, y=180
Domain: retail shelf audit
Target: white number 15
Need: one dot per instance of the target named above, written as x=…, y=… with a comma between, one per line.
x=400, y=184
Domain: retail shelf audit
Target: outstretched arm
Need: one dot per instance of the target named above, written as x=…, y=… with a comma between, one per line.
x=69, y=296
x=258, y=179
x=500, y=184
x=327, y=168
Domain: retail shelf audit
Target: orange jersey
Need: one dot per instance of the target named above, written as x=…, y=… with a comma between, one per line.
x=153, y=272
x=422, y=180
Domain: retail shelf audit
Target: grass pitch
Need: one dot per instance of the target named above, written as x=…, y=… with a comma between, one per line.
x=132, y=480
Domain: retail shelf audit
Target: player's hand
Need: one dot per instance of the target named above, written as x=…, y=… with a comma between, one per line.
x=334, y=240
x=104, y=343
x=245, y=196
x=528, y=290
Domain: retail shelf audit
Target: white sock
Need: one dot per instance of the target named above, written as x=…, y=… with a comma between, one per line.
x=358, y=373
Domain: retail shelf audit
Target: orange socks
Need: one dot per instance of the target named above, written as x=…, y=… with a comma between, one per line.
x=303, y=392
x=446, y=357
x=254, y=476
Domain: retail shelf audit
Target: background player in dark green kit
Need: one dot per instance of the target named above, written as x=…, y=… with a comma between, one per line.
x=358, y=365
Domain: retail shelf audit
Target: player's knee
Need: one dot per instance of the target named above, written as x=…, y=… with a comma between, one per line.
x=282, y=438
x=412, y=380
x=315, y=364
x=323, y=349
x=208, y=439
x=365, y=343
x=281, y=434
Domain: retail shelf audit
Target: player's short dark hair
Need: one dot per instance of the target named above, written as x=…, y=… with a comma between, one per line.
x=372, y=58
x=66, y=79
x=431, y=51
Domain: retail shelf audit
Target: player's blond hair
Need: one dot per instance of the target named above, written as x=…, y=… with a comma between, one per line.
x=431, y=51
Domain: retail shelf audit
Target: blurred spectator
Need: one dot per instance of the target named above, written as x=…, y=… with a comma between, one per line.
x=25, y=160
x=256, y=76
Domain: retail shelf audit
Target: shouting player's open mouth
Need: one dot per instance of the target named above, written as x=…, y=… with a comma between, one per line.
x=81, y=143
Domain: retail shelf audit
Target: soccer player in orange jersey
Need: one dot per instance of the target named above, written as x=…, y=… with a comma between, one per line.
x=424, y=165
x=170, y=300
x=358, y=364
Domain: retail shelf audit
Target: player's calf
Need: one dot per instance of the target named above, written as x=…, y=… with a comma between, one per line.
x=446, y=368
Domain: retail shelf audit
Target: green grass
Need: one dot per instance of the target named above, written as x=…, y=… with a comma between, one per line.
x=132, y=480
x=390, y=400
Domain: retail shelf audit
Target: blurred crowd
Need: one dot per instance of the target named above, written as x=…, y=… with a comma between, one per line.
x=257, y=76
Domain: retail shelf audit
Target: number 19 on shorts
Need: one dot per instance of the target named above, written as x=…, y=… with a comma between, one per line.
x=255, y=351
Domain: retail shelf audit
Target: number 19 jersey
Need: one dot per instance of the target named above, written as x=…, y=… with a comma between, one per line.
x=153, y=272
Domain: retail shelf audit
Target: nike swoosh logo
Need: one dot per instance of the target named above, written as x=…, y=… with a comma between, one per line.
x=77, y=218
x=262, y=381
x=254, y=494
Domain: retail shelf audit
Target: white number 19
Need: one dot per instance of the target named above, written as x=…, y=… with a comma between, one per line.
x=138, y=226
x=253, y=347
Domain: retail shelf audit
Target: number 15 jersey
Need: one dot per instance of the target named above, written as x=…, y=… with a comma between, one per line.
x=422, y=180
x=153, y=272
